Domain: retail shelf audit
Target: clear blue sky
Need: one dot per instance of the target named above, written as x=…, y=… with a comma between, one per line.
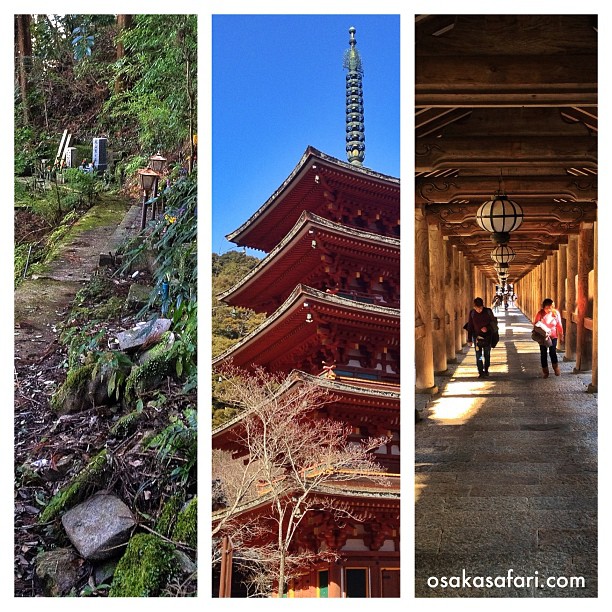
x=278, y=85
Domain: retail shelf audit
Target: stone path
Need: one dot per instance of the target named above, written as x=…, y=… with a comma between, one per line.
x=506, y=476
x=40, y=302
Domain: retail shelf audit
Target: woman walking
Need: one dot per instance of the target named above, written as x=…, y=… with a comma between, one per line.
x=549, y=318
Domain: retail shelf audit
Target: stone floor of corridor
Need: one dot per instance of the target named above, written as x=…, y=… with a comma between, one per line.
x=506, y=474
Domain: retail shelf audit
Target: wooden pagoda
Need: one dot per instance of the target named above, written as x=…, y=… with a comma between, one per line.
x=329, y=286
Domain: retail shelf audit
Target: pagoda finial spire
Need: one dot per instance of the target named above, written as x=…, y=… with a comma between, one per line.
x=355, y=131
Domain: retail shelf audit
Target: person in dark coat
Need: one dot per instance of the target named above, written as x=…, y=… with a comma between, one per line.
x=480, y=327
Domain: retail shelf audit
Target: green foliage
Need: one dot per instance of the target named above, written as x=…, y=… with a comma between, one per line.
x=82, y=43
x=145, y=568
x=134, y=163
x=161, y=65
x=78, y=488
x=185, y=349
x=177, y=443
x=82, y=341
x=173, y=240
x=25, y=157
x=21, y=257
x=86, y=184
x=114, y=366
x=229, y=324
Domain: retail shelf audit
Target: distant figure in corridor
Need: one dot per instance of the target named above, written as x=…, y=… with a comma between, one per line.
x=482, y=331
x=550, y=319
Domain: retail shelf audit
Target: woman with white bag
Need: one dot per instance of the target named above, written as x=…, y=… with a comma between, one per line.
x=549, y=319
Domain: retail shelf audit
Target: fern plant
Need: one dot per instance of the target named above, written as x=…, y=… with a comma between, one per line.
x=178, y=443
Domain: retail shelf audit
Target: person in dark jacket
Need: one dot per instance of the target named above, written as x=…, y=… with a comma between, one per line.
x=480, y=328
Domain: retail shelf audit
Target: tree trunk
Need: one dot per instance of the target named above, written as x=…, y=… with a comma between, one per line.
x=23, y=44
x=124, y=22
x=190, y=97
x=281, y=574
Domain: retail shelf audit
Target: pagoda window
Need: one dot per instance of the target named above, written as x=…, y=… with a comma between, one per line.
x=323, y=583
x=356, y=580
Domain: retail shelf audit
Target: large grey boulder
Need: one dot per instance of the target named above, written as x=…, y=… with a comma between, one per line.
x=143, y=335
x=99, y=526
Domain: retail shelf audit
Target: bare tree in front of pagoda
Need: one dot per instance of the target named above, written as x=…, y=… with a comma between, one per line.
x=294, y=454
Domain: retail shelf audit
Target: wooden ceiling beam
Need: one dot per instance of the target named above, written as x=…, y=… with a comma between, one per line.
x=572, y=78
x=435, y=153
x=539, y=190
x=570, y=212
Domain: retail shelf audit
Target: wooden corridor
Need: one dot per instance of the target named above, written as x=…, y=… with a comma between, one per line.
x=506, y=475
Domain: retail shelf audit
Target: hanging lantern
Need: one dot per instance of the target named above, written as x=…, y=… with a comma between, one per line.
x=503, y=254
x=501, y=267
x=499, y=216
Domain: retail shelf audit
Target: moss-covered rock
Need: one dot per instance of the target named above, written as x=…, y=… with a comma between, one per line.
x=72, y=396
x=167, y=517
x=149, y=375
x=90, y=476
x=145, y=568
x=186, y=528
x=126, y=424
x=110, y=309
x=58, y=571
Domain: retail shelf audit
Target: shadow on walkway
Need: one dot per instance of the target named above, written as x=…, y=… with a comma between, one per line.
x=506, y=477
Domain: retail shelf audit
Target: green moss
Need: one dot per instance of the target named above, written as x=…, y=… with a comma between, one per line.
x=186, y=529
x=149, y=374
x=75, y=384
x=74, y=492
x=167, y=518
x=145, y=568
x=126, y=424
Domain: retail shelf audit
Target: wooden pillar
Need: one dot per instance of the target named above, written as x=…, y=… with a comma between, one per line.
x=585, y=264
x=554, y=292
x=449, y=301
x=225, y=583
x=334, y=585
x=570, y=298
x=423, y=344
x=438, y=307
x=459, y=298
x=592, y=388
x=561, y=279
x=468, y=294
x=375, y=581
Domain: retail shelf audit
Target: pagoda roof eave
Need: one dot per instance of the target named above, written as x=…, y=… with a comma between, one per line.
x=337, y=387
x=310, y=157
x=307, y=222
x=359, y=494
x=305, y=294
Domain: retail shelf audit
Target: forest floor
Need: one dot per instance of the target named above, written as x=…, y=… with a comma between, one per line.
x=48, y=448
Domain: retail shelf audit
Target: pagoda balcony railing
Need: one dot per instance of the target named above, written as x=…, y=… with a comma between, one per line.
x=368, y=298
x=335, y=476
x=343, y=372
